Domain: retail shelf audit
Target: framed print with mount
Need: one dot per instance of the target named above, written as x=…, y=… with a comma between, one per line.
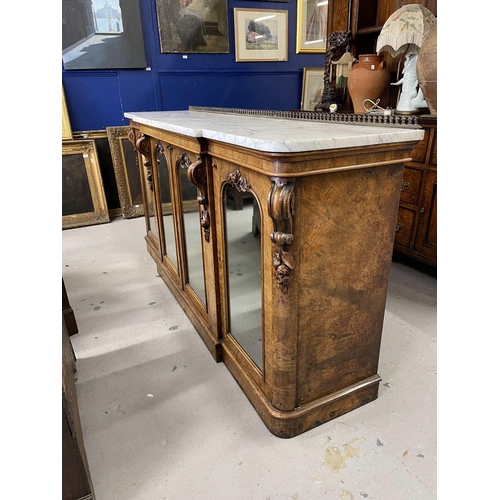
x=312, y=88
x=261, y=35
x=312, y=18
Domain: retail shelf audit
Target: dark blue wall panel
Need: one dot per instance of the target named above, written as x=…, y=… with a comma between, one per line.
x=98, y=99
x=93, y=99
x=238, y=89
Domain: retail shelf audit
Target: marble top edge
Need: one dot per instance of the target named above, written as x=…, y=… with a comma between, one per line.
x=260, y=132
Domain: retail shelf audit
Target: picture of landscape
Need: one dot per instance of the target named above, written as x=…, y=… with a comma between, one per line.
x=261, y=35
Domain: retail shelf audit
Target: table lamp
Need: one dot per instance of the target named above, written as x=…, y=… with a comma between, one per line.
x=403, y=33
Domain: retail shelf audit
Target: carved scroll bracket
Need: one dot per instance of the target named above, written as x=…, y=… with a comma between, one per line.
x=143, y=147
x=198, y=176
x=132, y=137
x=281, y=209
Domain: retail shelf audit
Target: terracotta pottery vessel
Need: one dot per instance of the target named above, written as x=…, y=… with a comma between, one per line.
x=369, y=79
x=427, y=70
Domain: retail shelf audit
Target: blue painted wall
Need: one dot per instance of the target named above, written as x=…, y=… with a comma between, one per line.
x=97, y=99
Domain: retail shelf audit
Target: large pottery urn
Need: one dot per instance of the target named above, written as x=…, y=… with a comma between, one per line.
x=427, y=70
x=369, y=79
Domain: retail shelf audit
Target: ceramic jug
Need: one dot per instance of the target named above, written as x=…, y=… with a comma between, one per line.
x=369, y=79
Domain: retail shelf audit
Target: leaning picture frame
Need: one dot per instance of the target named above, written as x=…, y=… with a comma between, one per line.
x=261, y=35
x=83, y=198
x=127, y=173
x=312, y=88
x=312, y=18
x=105, y=167
x=67, y=134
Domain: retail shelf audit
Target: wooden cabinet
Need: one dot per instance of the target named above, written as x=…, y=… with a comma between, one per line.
x=289, y=291
x=416, y=227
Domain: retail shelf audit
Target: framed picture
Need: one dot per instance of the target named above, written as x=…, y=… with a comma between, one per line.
x=83, y=199
x=100, y=137
x=128, y=177
x=66, y=124
x=312, y=17
x=312, y=88
x=193, y=26
x=102, y=34
x=261, y=35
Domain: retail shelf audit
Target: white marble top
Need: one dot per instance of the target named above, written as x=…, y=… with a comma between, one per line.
x=274, y=135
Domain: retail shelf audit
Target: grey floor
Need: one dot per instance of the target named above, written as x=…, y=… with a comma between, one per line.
x=163, y=421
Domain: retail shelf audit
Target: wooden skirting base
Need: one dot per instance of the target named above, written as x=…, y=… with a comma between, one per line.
x=306, y=417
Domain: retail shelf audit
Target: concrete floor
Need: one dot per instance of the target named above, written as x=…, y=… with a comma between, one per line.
x=163, y=421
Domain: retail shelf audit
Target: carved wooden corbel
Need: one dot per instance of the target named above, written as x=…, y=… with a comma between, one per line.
x=132, y=137
x=281, y=208
x=143, y=147
x=197, y=175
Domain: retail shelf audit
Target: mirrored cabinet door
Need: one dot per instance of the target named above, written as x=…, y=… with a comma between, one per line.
x=144, y=145
x=163, y=157
x=243, y=268
x=195, y=275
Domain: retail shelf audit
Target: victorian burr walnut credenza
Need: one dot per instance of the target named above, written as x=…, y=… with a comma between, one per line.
x=289, y=292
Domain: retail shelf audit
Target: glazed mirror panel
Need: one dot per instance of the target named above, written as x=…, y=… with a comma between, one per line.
x=192, y=234
x=152, y=226
x=243, y=257
x=162, y=163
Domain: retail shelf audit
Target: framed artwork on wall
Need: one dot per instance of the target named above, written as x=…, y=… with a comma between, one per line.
x=193, y=26
x=128, y=177
x=83, y=199
x=312, y=17
x=261, y=35
x=312, y=88
x=102, y=34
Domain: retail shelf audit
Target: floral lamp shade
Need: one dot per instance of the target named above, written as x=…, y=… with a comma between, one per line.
x=405, y=29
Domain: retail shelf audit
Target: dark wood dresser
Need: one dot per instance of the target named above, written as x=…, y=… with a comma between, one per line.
x=416, y=227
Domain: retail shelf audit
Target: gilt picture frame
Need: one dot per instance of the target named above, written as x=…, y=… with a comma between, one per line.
x=312, y=88
x=127, y=173
x=312, y=18
x=67, y=134
x=261, y=35
x=83, y=198
x=105, y=166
